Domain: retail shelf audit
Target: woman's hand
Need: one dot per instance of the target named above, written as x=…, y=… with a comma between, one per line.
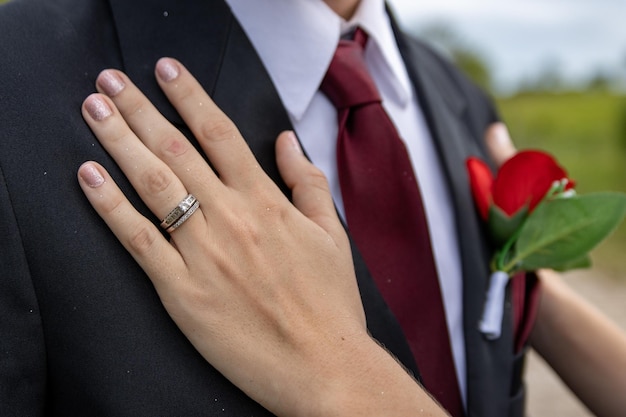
x=265, y=290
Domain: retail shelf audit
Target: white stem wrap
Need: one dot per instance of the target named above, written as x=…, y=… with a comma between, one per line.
x=491, y=321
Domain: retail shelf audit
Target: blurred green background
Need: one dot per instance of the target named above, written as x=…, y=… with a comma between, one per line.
x=582, y=123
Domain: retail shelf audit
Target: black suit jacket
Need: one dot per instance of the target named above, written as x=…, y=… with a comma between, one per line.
x=82, y=332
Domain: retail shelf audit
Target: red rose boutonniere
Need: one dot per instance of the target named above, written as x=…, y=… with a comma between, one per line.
x=536, y=220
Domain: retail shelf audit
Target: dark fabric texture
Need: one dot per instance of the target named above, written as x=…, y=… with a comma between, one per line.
x=82, y=329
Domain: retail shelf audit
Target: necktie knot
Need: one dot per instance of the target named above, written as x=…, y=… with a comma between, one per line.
x=347, y=82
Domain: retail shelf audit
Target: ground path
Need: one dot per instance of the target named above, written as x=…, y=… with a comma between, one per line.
x=547, y=395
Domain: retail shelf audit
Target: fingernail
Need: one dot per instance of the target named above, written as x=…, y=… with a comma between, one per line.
x=167, y=69
x=97, y=108
x=294, y=142
x=90, y=174
x=110, y=82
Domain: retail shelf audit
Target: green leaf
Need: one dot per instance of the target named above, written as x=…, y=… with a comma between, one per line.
x=562, y=231
x=584, y=262
x=501, y=226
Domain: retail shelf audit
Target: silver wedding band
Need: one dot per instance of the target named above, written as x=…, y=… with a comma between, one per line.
x=180, y=214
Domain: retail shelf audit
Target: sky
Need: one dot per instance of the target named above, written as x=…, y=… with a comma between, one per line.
x=521, y=37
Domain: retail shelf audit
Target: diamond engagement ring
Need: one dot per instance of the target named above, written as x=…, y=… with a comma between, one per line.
x=180, y=214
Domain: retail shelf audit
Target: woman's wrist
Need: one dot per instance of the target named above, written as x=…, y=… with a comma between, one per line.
x=359, y=377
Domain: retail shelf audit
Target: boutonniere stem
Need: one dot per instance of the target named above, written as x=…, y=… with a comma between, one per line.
x=491, y=322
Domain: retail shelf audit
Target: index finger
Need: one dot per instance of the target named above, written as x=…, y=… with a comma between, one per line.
x=217, y=134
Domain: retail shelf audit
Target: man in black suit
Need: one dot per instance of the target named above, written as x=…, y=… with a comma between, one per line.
x=83, y=332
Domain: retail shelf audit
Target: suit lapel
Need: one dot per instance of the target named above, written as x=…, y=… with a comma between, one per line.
x=446, y=110
x=169, y=28
x=245, y=92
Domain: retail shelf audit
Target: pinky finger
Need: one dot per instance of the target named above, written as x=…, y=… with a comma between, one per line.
x=158, y=258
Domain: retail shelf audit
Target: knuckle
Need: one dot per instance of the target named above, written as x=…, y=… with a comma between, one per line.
x=183, y=93
x=116, y=138
x=246, y=230
x=133, y=106
x=315, y=178
x=156, y=180
x=216, y=130
x=174, y=146
x=141, y=239
x=112, y=205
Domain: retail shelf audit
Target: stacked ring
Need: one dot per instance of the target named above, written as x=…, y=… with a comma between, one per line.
x=180, y=213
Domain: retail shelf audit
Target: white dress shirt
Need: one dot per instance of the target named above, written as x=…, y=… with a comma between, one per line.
x=296, y=40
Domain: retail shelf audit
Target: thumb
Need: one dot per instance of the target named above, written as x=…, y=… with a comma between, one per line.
x=499, y=143
x=309, y=187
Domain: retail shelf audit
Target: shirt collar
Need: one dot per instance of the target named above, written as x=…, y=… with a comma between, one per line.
x=310, y=31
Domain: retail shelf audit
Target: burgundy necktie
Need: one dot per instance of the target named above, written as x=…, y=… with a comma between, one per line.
x=386, y=219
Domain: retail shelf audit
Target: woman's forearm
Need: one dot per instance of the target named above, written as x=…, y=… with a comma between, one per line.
x=367, y=380
x=583, y=346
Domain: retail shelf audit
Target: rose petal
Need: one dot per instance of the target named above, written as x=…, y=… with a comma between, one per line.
x=481, y=181
x=524, y=180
